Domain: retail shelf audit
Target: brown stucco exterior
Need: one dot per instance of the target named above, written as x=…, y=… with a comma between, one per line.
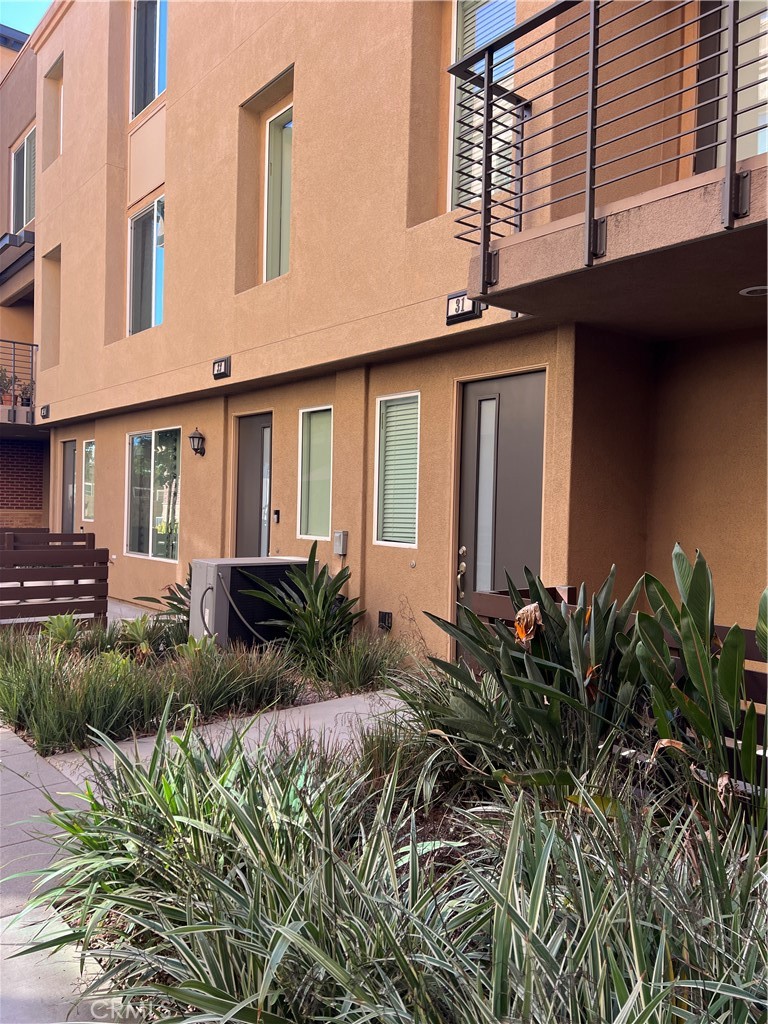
x=650, y=436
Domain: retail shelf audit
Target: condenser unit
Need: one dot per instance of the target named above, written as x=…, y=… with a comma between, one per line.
x=218, y=606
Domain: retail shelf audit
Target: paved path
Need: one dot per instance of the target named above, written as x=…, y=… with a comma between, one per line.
x=43, y=989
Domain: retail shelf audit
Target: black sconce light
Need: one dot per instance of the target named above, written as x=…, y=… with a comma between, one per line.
x=197, y=441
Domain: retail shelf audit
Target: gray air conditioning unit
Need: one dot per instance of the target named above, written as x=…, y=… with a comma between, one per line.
x=218, y=605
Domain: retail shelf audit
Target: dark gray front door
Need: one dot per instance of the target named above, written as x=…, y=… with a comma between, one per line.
x=502, y=461
x=254, y=478
x=68, y=486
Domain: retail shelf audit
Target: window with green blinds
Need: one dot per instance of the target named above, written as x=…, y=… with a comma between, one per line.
x=398, y=470
x=315, y=483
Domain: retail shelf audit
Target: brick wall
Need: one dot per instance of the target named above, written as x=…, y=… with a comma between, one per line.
x=21, y=482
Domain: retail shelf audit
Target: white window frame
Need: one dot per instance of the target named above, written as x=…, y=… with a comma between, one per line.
x=299, y=534
x=127, y=505
x=379, y=400
x=265, y=206
x=16, y=228
x=129, y=289
x=90, y=440
x=131, y=116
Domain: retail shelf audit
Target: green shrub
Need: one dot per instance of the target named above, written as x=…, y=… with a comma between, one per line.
x=315, y=614
x=62, y=630
x=363, y=661
x=275, y=887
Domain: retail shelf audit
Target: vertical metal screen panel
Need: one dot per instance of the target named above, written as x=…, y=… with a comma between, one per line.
x=398, y=469
x=18, y=189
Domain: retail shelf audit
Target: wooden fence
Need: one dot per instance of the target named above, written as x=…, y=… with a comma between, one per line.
x=44, y=574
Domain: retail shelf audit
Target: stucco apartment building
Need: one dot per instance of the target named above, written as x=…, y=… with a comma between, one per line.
x=245, y=221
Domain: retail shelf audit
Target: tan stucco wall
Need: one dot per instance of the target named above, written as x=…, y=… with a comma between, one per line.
x=670, y=445
x=708, y=486
x=382, y=576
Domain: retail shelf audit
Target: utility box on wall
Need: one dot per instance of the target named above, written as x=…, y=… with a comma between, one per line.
x=340, y=542
x=217, y=597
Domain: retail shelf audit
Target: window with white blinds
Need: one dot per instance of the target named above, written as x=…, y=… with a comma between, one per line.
x=477, y=22
x=397, y=478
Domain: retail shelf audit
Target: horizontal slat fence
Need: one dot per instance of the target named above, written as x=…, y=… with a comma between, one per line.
x=60, y=574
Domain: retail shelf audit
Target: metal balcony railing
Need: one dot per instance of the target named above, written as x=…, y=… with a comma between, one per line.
x=17, y=374
x=594, y=101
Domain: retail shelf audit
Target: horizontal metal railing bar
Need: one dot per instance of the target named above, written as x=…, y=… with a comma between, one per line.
x=667, y=96
x=656, y=122
x=751, y=131
x=661, y=163
x=656, y=81
x=662, y=56
x=760, y=105
x=663, y=13
x=753, y=39
x=605, y=22
x=559, y=85
x=758, y=12
x=539, y=39
x=748, y=63
x=529, y=25
x=655, y=39
x=518, y=69
x=543, y=206
x=661, y=142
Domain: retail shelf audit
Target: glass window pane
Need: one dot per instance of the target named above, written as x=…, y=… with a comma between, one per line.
x=89, y=473
x=142, y=244
x=140, y=484
x=18, y=189
x=157, y=312
x=165, y=491
x=316, y=473
x=266, y=470
x=144, y=53
x=278, y=214
x=398, y=481
x=486, y=491
x=162, y=45
x=29, y=176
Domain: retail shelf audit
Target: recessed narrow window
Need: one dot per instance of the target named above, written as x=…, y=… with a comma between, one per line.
x=147, y=266
x=89, y=476
x=154, y=476
x=397, y=470
x=53, y=113
x=23, y=182
x=278, y=206
x=477, y=22
x=315, y=444
x=150, y=43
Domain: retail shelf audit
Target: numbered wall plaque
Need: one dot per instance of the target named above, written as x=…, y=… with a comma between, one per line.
x=458, y=308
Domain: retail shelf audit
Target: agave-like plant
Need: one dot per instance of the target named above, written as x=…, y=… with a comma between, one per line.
x=538, y=703
x=313, y=611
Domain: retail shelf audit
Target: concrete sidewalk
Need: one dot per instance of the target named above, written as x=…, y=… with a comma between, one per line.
x=44, y=988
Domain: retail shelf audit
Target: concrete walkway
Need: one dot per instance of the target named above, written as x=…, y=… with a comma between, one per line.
x=44, y=988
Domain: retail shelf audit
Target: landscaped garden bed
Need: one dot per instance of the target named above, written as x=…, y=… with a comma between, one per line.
x=557, y=829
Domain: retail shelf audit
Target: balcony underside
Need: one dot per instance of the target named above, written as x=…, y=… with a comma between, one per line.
x=670, y=270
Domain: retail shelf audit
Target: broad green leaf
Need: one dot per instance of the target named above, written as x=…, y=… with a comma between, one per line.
x=683, y=571
x=761, y=629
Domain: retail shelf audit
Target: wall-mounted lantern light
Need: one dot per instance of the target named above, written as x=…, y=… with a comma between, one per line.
x=197, y=441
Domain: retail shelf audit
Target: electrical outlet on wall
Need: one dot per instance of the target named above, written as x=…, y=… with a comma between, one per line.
x=385, y=620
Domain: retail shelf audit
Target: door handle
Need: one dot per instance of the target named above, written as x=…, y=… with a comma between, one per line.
x=460, y=578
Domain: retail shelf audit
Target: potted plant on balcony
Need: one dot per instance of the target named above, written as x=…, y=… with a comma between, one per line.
x=26, y=391
x=7, y=382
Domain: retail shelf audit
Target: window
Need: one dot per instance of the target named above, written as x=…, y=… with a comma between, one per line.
x=150, y=42
x=23, y=183
x=89, y=472
x=315, y=442
x=154, y=473
x=277, y=235
x=477, y=23
x=397, y=470
x=147, y=267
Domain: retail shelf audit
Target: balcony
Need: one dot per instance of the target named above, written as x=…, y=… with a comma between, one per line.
x=17, y=383
x=602, y=143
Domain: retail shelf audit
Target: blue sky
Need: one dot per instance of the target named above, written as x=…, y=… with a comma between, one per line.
x=22, y=14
